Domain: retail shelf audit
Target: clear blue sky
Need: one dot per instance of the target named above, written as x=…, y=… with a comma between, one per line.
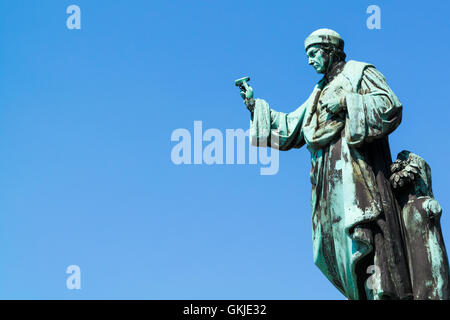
x=85, y=122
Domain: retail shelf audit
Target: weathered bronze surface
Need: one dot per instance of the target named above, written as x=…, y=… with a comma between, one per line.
x=368, y=214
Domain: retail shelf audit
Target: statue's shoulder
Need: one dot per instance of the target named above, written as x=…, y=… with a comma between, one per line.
x=354, y=70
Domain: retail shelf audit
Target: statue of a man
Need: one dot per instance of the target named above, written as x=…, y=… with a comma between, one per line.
x=345, y=125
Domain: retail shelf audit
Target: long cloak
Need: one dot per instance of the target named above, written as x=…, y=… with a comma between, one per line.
x=357, y=234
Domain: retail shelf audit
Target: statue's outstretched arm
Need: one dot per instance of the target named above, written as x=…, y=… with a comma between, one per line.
x=270, y=128
x=276, y=129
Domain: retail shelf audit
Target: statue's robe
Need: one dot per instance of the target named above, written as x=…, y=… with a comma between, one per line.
x=355, y=216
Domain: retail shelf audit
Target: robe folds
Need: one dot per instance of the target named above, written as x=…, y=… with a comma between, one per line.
x=357, y=234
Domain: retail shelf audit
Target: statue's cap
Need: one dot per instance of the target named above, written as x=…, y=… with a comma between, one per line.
x=324, y=36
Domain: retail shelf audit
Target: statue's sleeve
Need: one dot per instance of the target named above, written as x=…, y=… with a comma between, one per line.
x=373, y=112
x=279, y=130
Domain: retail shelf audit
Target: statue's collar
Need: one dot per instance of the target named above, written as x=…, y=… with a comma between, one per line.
x=335, y=69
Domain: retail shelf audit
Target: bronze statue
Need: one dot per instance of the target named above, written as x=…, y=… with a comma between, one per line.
x=360, y=221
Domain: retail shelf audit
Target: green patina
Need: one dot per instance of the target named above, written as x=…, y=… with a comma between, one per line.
x=356, y=218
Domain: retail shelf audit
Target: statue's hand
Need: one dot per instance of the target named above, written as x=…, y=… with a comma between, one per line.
x=433, y=208
x=334, y=105
x=247, y=95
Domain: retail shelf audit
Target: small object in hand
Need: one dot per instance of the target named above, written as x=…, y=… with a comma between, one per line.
x=246, y=90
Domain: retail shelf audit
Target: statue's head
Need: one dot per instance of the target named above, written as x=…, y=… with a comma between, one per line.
x=323, y=48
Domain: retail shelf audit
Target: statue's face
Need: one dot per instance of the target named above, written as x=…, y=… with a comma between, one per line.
x=318, y=58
